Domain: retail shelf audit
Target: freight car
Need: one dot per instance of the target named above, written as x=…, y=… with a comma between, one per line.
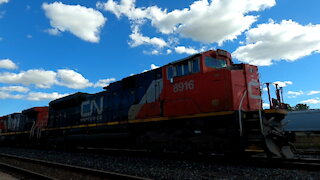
x=305, y=126
x=202, y=103
x=303, y=121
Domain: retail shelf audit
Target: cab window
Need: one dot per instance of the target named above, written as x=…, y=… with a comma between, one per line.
x=182, y=69
x=195, y=65
x=170, y=72
x=215, y=63
x=179, y=71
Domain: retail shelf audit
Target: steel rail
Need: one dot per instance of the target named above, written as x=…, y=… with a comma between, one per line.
x=75, y=170
x=24, y=172
x=295, y=163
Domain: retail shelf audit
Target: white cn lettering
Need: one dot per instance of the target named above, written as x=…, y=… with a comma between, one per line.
x=93, y=105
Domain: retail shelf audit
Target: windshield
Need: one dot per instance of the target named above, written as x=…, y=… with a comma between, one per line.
x=215, y=63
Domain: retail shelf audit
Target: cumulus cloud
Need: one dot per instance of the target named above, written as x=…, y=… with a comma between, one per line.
x=185, y=50
x=83, y=22
x=46, y=79
x=72, y=79
x=7, y=64
x=104, y=82
x=6, y=95
x=54, y=32
x=313, y=92
x=294, y=94
x=138, y=39
x=266, y=106
x=312, y=101
x=38, y=96
x=40, y=78
x=4, y=1
x=2, y=13
x=152, y=66
x=273, y=42
x=283, y=83
x=208, y=22
x=14, y=89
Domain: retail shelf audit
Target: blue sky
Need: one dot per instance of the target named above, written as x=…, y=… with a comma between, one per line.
x=49, y=49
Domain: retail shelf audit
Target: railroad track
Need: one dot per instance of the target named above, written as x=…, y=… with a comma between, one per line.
x=39, y=169
x=296, y=163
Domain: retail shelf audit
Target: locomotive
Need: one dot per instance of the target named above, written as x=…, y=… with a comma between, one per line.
x=202, y=103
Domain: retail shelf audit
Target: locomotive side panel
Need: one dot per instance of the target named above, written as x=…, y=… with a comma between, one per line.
x=148, y=90
x=3, y=124
x=66, y=111
x=197, y=85
x=37, y=117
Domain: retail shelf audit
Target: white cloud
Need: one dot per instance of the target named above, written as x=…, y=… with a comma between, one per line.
x=126, y=7
x=32, y=96
x=311, y=101
x=283, y=83
x=14, y=89
x=6, y=95
x=153, y=66
x=184, y=50
x=104, y=82
x=202, y=21
x=53, y=32
x=266, y=106
x=40, y=78
x=72, y=79
x=294, y=94
x=2, y=13
x=274, y=42
x=138, y=39
x=29, y=36
x=7, y=64
x=46, y=79
x=313, y=92
x=4, y=1
x=83, y=22
x=38, y=96
x=155, y=52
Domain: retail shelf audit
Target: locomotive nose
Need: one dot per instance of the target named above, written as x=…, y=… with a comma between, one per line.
x=279, y=150
x=276, y=140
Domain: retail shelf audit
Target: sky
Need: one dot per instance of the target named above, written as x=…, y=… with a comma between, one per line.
x=49, y=49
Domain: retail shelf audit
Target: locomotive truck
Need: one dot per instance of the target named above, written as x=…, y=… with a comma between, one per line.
x=202, y=103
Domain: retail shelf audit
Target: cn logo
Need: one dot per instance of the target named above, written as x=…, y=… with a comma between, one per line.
x=90, y=106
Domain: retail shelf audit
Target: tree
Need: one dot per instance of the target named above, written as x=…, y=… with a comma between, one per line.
x=301, y=107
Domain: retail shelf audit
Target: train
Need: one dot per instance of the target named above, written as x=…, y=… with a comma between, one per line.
x=202, y=103
x=305, y=128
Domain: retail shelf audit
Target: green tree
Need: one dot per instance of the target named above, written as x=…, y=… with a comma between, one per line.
x=301, y=107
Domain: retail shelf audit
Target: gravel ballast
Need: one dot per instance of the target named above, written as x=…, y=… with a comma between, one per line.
x=157, y=168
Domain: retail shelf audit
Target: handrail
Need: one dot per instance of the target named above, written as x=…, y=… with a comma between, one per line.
x=260, y=115
x=240, y=107
x=32, y=129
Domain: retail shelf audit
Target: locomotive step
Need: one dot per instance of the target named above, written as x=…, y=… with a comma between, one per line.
x=252, y=120
x=254, y=130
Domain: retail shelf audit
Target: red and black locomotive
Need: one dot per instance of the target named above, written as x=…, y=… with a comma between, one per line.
x=202, y=103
